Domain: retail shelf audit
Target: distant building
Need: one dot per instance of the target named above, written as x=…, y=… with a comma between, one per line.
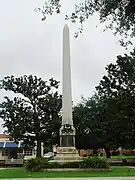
x=15, y=151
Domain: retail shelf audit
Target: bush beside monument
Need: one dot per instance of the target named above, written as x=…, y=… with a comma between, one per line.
x=87, y=164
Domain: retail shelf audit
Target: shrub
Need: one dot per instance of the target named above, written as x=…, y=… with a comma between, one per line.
x=70, y=165
x=94, y=163
x=36, y=164
x=39, y=164
x=52, y=165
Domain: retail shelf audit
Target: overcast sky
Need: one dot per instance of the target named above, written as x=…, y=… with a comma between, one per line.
x=30, y=46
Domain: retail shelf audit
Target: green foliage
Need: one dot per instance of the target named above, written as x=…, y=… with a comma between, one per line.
x=120, y=77
x=34, y=113
x=49, y=7
x=117, y=92
x=119, y=16
x=94, y=163
x=108, y=118
x=39, y=164
x=36, y=164
x=86, y=121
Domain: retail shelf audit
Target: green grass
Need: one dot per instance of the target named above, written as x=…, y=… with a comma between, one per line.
x=114, y=157
x=21, y=173
x=118, y=157
x=121, y=157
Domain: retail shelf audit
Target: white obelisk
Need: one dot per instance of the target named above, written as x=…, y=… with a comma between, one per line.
x=67, y=131
x=66, y=87
x=66, y=151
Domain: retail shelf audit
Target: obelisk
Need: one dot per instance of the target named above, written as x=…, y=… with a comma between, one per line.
x=67, y=150
x=66, y=81
x=67, y=131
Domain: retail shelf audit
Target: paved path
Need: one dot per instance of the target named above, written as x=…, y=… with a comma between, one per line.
x=99, y=178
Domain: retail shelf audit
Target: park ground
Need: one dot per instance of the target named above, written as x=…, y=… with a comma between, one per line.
x=21, y=173
x=115, y=157
x=119, y=157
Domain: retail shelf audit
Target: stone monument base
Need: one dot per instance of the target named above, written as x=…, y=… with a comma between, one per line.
x=66, y=154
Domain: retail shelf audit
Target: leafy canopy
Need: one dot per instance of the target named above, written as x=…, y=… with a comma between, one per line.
x=117, y=90
x=118, y=15
x=34, y=113
x=108, y=118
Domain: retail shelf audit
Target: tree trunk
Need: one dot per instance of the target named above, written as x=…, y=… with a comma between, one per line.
x=108, y=153
x=38, y=148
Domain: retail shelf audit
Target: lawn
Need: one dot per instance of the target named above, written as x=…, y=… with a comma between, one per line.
x=122, y=157
x=115, y=157
x=21, y=173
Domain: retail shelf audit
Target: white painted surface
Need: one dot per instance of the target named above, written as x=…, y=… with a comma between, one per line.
x=66, y=87
x=4, y=139
x=42, y=149
x=29, y=157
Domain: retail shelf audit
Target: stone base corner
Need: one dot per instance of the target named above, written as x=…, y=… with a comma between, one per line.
x=67, y=154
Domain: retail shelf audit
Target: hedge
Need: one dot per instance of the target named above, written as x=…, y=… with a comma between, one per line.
x=39, y=164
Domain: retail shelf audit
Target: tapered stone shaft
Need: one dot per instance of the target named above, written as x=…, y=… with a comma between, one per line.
x=66, y=152
x=66, y=89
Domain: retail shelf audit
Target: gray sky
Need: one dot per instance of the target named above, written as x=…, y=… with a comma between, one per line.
x=30, y=46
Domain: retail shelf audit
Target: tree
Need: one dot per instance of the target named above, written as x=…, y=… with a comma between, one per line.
x=117, y=89
x=34, y=113
x=120, y=77
x=101, y=123
x=109, y=117
x=119, y=15
x=87, y=123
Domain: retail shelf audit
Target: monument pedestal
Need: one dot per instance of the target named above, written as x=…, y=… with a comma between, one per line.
x=66, y=154
x=67, y=136
x=67, y=151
